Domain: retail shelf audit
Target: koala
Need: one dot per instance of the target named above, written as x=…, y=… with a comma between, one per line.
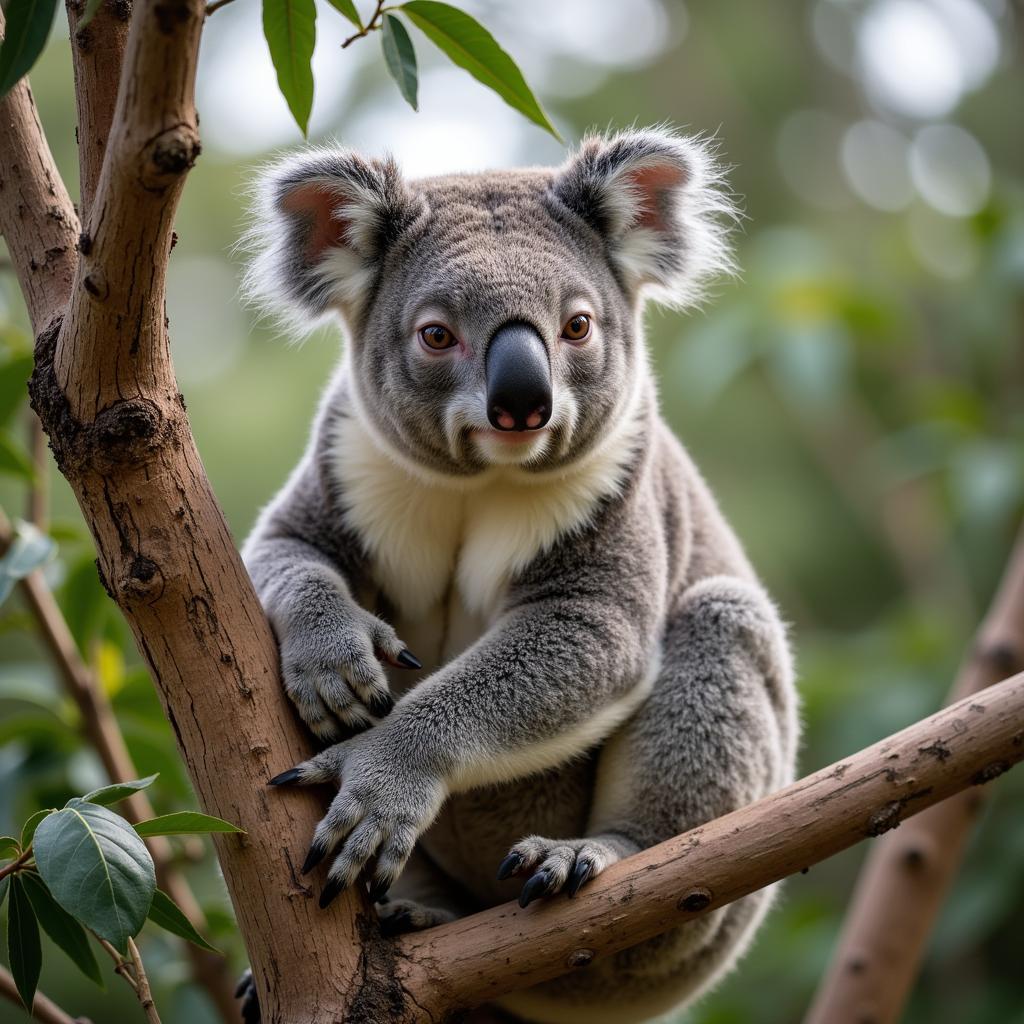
x=489, y=484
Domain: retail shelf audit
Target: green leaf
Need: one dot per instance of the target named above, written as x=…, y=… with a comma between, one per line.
x=400, y=57
x=30, y=549
x=28, y=26
x=184, y=823
x=29, y=830
x=469, y=45
x=24, y=952
x=14, y=376
x=4, y=884
x=290, y=28
x=97, y=869
x=65, y=931
x=107, y=795
x=167, y=914
x=13, y=461
x=348, y=8
x=9, y=847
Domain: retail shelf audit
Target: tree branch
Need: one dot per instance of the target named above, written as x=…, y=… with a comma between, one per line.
x=37, y=218
x=44, y=1009
x=483, y=956
x=907, y=875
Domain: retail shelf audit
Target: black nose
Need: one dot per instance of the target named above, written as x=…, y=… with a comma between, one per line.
x=518, y=379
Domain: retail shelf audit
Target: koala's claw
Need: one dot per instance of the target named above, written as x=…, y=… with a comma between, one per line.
x=556, y=865
x=408, y=660
x=246, y=991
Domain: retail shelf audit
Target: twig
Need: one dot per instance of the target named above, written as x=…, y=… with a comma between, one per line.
x=371, y=26
x=44, y=1009
x=907, y=875
x=145, y=995
x=121, y=966
x=16, y=865
x=216, y=6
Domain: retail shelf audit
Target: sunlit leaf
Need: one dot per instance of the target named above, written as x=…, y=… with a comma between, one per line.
x=167, y=914
x=400, y=57
x=348, y=8
x=469, y=45
x=24, y=951
x=290, y=29
x=13, y=460
x=97, y=869
x=106, y=795
x=65, y=931
x=14, y=376
x=184, y=823
x=28, y=27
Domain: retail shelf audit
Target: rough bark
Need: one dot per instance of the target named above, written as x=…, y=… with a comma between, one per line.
x=907, y=875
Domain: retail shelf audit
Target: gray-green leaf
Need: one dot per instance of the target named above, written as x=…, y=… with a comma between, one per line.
x=65, y=931
x=30, y=549
x=107, y=795
x=184, y=823
x=348, y=8
x=8, y=847
x=167, y=914
x=290, y=28
x=24, y=952
x=469, y=45
x=400, y=57
x=30, y=826
x=28, y=27
x=97, y=869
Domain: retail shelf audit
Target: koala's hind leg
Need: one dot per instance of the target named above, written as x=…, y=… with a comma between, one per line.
x=420, y=898
x=718, y=731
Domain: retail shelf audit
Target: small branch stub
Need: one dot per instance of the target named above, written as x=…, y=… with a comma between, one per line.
x=695, y=900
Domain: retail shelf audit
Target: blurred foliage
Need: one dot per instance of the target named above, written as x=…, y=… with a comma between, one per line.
x=855, y=399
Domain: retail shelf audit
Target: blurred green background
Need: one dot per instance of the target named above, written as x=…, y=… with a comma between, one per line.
x=855, y=398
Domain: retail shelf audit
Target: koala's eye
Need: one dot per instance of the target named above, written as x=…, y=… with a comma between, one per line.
x=577, y=328
x=437, y=337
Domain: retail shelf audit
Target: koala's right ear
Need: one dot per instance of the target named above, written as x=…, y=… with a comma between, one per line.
x=322, y=223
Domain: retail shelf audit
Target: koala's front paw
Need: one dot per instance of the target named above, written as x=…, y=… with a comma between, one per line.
x=332, y=673
x=384, y=803
x=563, y=864
x=397, y=917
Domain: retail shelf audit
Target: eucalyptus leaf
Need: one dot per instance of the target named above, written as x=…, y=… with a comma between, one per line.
x=348, y=8
x=24, y=952
x=28, y=27
x=163, y=911
x=65, y=931
x=469, y=45
x=8, y=847
x=106, y=795
x=4, y=885
x=14, y=376
x=97, y=869
x=400, y=57
x=30, y=549
x=290, y=30
x=184, y=823
x=29, y=829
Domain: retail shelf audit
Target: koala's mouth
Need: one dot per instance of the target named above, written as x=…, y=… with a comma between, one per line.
x=512, y=437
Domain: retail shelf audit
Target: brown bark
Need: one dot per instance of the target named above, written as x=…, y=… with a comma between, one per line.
x=908, y=874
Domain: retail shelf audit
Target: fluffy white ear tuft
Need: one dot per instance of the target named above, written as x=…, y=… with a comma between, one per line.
x=659, y=201
x=322, y=222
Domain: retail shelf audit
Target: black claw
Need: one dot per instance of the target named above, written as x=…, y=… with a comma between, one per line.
x=315, y=855
x=379, y=890
x=408, y=660
x=536, y=885
x=380, y=704
x=331, y=890
x=580, y=873
x=286, y=778
x=509, y=866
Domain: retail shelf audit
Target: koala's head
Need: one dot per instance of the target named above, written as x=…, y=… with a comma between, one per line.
x=493, y=318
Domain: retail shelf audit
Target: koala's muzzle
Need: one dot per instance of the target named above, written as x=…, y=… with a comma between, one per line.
x=518, y=379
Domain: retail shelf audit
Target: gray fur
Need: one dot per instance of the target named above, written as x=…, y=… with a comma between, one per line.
x=631, y=680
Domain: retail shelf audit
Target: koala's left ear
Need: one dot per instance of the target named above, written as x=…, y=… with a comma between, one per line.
x=658, y=202
x=322, y=224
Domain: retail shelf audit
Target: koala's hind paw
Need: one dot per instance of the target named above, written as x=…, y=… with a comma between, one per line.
x=555, y=865
x=246, y=991
x=399, y=916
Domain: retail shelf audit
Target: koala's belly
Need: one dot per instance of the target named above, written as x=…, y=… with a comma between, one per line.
x=474, y=830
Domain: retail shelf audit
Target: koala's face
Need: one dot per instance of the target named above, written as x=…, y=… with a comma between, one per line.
x=494, y=317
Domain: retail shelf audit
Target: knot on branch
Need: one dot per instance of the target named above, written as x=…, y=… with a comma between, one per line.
x=695, y=900
x=141, y=580
x=170, y=155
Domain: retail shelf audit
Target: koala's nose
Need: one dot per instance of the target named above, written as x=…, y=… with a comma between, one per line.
x=518, y=379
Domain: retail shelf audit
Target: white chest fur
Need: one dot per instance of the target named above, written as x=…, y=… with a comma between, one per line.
x=434, y=539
